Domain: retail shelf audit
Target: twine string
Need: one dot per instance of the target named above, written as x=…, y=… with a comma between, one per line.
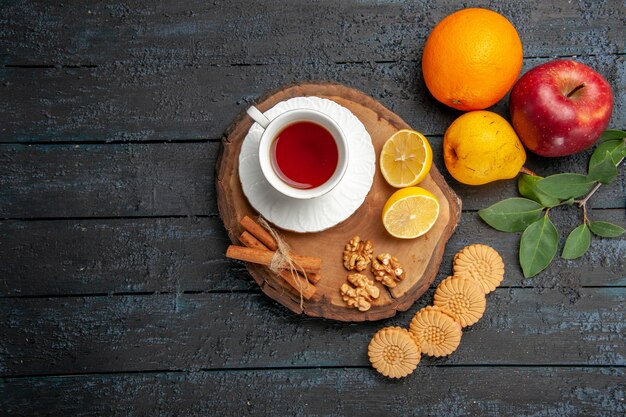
x=282, y=259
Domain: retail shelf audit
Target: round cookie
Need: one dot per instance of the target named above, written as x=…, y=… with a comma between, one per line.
x=463, y=298
x=481, y=263
x=439, y=334
x=394, y=352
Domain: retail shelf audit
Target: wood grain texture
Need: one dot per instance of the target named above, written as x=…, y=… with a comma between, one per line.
x=167, y=101
x=116, y=255
x=430, y=391
x=186, y=333
x=107, y=180
x=420, y=257
x=209, y=331
x=73, y=257
x=243, y=32
x=179, y=180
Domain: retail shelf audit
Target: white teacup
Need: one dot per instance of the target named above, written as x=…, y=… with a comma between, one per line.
x=272, y=129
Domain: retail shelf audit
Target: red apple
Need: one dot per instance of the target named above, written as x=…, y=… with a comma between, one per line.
x=560, y=108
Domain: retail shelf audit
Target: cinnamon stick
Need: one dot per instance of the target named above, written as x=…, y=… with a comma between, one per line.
x=259, y=232
x=297, y=282
x=259, y=256
x=314, y=278
x=252, y=242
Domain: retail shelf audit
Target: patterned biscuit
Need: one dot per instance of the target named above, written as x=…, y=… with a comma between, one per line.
x=394, y=352
x=439, y=334
x=463, y=298
x=481, y=263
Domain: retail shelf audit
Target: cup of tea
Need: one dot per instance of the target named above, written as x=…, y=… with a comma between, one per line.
x=303, y=153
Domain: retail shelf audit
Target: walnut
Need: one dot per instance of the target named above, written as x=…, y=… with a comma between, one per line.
x=361, y=296
x=387, y=270
x=361, y=281
x=357, y=254
x=354, y=297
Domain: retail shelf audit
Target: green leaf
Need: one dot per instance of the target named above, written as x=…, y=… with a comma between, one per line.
x=615, y=147
x=565, y=186
x=512, y=214
x=605, y=229
x=538, y=246
x=577, y=242
x=527, y=186
x=611, y=134
x=603, y=171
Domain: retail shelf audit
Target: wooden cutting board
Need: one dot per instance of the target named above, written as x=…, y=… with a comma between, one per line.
x=421, y=257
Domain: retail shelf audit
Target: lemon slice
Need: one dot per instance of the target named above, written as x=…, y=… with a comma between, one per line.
x=406, y=158
x=410, y=212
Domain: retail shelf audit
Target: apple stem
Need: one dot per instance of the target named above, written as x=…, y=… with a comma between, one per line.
x=525, y=170
x=578, y=87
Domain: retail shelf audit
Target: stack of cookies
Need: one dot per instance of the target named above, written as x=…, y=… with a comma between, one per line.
x=436, y=330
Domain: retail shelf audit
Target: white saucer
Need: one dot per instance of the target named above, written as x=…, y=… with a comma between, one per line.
x=320, y=213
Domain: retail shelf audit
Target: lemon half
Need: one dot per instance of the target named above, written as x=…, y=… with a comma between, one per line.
x=410, y=212
x=406, y=158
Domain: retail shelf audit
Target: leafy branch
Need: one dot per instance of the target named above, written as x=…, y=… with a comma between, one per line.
x=530, y=214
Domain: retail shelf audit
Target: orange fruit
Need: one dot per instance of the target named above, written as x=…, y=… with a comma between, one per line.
x=471, y=59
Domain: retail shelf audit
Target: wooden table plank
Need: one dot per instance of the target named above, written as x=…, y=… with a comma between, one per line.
x=237, y=32
x=521, y=326
x=73, y=257
x=96, y=181
x=117, y=255
x=174, y=102
x=140, y=291
x=168, y=179
x=432, y=391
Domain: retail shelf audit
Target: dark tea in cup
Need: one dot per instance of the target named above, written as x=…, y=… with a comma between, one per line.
x=304, y=155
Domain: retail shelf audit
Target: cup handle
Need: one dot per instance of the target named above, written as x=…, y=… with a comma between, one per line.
x=258, y=117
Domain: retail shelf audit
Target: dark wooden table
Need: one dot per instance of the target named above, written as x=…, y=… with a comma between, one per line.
x=115, y=296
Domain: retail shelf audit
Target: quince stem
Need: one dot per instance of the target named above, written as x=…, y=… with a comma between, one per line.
x=525, y=170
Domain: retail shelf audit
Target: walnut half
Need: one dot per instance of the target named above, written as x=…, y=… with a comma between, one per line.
x=387, y=270
x=357, y=254
x=361, y=296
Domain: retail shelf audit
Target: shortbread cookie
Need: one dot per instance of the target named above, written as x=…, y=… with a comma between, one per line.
x=481, y=263
x=394, y=352
x=463, y=298
x=438, y=333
